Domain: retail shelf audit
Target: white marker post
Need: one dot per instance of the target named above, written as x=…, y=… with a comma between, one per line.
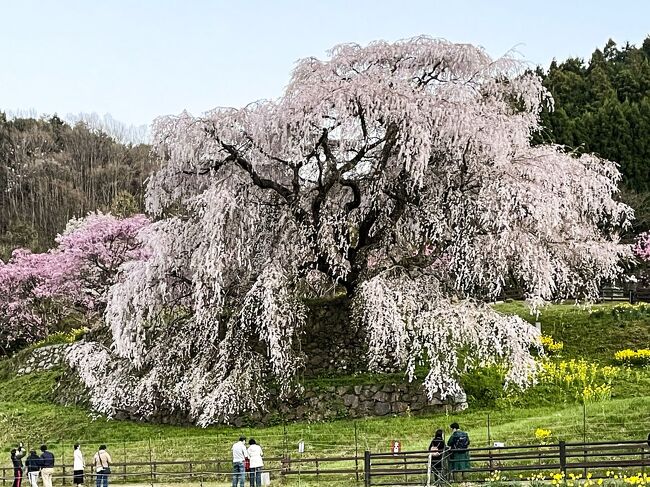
x=301, y=450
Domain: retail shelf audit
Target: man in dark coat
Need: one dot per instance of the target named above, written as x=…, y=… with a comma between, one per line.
x=459, y=443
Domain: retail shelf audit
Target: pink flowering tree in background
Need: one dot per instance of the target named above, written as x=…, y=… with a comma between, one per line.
x=403, y=174
x=39, y=292
x=641, y=251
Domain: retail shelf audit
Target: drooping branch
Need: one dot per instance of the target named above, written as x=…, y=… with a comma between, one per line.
x=399, y=171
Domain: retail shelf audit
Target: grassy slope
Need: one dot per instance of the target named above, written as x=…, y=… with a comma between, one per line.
x=26, y=411
x=593, y=333
x=39, y=421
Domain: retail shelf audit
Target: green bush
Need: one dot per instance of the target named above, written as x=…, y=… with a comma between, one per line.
x=61, y=337
x=484, y=386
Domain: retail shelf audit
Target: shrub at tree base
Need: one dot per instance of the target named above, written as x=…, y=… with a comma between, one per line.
x=400, y=174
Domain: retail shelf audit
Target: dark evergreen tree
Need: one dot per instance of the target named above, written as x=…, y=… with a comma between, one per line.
x=603, y=106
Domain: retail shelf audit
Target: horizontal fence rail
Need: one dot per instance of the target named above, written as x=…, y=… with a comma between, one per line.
x=412, y=468
x=320, y=468
x=374, y=469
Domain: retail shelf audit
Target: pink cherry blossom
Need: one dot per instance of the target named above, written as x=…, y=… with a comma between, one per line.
x=72, y=279
x=400, y=173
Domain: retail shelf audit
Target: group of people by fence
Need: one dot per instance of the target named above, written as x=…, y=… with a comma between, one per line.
x=43, y=466
x=248, y=460
x=452, y=456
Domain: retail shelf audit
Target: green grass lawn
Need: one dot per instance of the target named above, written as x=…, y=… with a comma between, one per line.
x=595, y=332
x=61, y=426
x=27, y=412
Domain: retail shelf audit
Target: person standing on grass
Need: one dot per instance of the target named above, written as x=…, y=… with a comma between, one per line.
x=16, y=460
x=255, y=454
x=459, y=443
x=239, y=455
x=78, y=466
x=102, y=461
x=47, y=466
x=437, y=448
x=33, y=464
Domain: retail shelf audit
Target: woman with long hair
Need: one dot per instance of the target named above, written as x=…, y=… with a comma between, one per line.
x=436, y=449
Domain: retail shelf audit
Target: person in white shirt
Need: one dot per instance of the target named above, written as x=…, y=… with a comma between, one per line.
x=255, y=454
x=239, y=455
x=78, y=466
x=102, y=461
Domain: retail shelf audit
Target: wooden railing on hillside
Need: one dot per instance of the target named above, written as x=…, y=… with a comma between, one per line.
x=410, y=468
x=607, y=293
x=404, y=468
x=613, y=293
x=199, y=471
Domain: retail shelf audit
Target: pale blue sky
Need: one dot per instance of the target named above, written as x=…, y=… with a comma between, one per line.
x=140, y=59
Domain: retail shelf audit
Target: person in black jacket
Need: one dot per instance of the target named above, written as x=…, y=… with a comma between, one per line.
x=437, y=448
x=33, y=464
x=16, y=459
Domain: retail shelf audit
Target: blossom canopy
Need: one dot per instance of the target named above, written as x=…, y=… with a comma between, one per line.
x=403, y=174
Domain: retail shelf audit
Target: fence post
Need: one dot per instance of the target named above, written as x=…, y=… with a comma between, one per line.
x=63, y=459
x=489, y=435
x=366, y=468
x=563, y=457
x=356, y=451
x=150, y=461
x=584, y=437
x=285, y=445
x=286, y=465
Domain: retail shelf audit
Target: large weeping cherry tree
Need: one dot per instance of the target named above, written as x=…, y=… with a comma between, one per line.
x=404, y=175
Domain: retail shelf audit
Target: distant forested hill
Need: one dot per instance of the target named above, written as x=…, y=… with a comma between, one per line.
x=51, y=171
x=603, y=106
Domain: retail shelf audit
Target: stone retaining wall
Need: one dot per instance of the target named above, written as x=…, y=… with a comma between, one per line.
x=40, y=359
x=330, y=350
x=330, y=342
x=320, y=403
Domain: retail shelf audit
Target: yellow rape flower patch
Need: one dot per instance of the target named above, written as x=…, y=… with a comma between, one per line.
x=630, y=357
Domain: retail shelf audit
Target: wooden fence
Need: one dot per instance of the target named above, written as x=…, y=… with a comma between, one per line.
x=607, y=293
x=405, y=468
x=199, y=471
x=410, y=468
